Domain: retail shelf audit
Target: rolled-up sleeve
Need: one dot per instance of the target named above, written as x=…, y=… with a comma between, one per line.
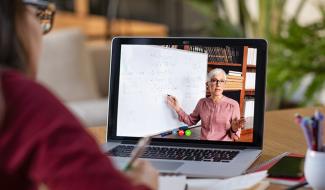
x=193, y=118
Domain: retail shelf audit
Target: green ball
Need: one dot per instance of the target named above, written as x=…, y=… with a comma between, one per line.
x=188, y=132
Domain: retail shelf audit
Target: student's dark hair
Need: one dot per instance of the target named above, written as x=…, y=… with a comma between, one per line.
x=12, y=53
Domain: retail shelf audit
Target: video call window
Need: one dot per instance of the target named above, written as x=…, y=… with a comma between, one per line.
x=226, y=71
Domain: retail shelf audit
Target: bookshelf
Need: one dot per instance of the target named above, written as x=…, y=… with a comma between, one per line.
x=240, y=65
x=247, y=97
x=224, y=64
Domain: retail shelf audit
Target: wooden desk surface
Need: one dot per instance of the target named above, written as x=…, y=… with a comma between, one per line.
x=280, y=134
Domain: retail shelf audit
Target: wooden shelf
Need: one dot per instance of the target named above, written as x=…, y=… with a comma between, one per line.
x=250, y=92
x=251, y=66
x=246, y=135
x=225, y=64
x=232, y=89
x=99, y=27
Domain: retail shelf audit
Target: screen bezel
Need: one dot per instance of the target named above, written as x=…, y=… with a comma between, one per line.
x=260, y=84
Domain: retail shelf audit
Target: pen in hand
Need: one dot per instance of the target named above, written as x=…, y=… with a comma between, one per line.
x=138, y=151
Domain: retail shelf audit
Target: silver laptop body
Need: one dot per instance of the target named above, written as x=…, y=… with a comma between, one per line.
x=249, y=150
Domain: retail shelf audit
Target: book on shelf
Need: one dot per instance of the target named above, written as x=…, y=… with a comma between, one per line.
x=234, y=73
x=251, y=56
x=232, y=77
x=250, y=80
x=232, y=88
x=234, y=81
x=229, y=54
x=222, y=54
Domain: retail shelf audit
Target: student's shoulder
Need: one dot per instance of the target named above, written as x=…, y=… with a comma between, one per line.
x=17, y=87
x=25, y=95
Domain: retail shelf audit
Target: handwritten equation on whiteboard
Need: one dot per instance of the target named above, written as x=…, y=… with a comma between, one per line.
x=147, y=74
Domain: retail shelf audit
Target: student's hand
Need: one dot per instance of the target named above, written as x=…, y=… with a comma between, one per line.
x=173, y=103
x=237, y=124
x=142, y=173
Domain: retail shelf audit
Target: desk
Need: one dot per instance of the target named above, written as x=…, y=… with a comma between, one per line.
x=280, y=134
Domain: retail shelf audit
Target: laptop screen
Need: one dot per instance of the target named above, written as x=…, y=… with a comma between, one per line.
x=188, y=91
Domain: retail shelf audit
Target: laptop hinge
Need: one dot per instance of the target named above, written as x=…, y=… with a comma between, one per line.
x=192, y=145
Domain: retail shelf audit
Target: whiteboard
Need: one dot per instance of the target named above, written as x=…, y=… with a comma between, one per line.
x=147, y=74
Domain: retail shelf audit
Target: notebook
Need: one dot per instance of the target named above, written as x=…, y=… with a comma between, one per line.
x=172, y=182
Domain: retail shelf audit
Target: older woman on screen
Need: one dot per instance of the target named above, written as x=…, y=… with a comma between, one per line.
x=219, y=115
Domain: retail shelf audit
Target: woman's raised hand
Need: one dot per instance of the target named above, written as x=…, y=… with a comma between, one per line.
x=173, y=103
x=237, y=124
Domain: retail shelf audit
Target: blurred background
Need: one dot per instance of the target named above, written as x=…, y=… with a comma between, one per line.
x=294, y=29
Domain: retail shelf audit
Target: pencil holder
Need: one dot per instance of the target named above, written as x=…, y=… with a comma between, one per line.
x=315, y=169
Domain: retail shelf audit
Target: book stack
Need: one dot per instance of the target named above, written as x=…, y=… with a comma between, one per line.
x=223, y=54
x=279, y=180
x=234, y=81
x=170, y=46
x=200, y=49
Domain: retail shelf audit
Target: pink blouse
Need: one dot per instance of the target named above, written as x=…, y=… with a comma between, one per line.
x=215, y=118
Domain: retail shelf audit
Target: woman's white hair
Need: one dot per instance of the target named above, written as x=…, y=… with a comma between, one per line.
x=215, y=72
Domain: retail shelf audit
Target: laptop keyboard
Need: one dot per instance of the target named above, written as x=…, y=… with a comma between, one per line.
x=176, y=153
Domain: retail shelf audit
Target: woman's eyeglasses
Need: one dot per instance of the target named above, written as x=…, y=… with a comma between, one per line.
x=215, y=82
x=45, y=13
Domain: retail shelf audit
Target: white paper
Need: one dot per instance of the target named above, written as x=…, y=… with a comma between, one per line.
x=235, y=183
x=172, y=182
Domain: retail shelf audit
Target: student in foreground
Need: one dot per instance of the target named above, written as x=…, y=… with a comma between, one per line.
x=220, y=115
x=41, y=142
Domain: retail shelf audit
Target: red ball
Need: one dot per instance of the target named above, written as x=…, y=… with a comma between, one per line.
x=181, y=132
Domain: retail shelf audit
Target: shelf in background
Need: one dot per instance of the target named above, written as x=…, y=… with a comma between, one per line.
x=98, y=27
x=250, y=92
x=232, y=89
x=251, y=66
x=224, y=64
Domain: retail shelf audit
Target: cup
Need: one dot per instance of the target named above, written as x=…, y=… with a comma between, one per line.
x=315, y=169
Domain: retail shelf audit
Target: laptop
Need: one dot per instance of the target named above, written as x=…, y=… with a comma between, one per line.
x=145, y=71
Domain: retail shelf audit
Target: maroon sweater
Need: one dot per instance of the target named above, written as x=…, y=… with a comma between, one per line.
x=42, y=142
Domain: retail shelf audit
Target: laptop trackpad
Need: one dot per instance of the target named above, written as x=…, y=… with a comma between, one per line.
x=166, y=166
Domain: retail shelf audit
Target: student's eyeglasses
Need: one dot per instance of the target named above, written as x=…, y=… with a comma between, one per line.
x=45, y=13
x=215, y=82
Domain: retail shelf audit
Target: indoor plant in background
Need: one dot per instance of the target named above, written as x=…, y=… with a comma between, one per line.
x=296, y=53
